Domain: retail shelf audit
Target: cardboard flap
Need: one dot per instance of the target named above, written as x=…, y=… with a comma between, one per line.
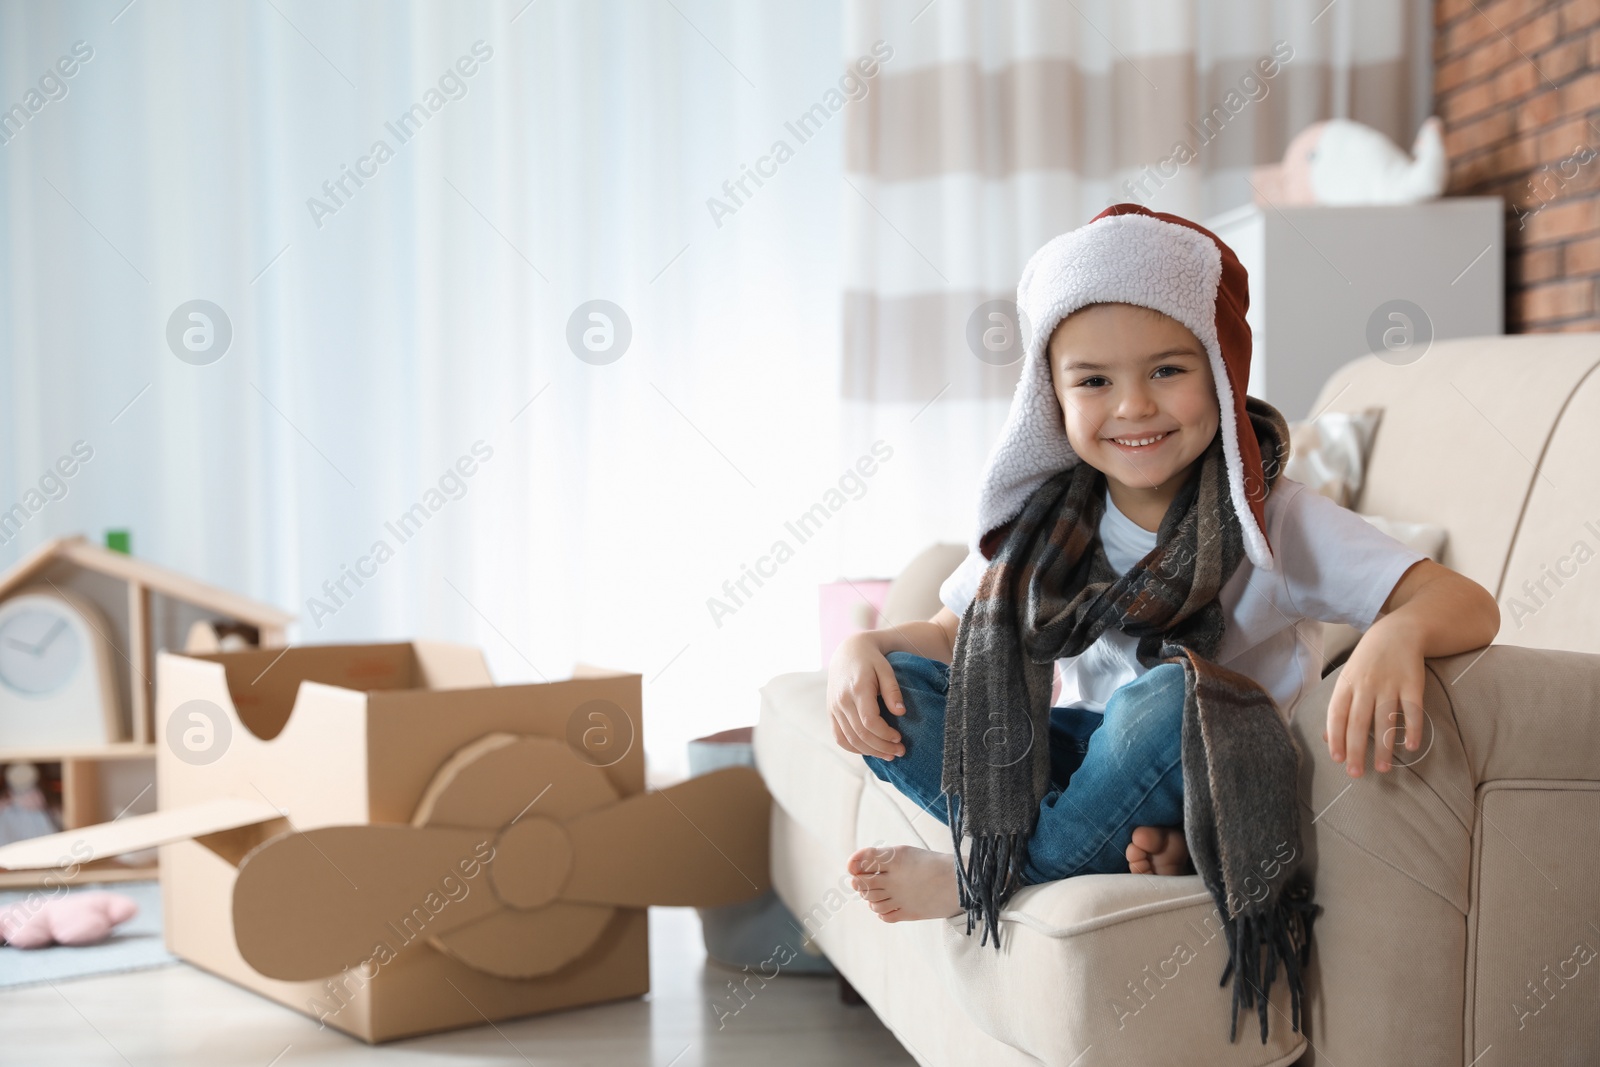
x=590, y=670
x=134, y=833
x=703, y=842
x=311, y=904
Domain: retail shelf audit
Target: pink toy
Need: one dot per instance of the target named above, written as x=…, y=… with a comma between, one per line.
x=77, y=919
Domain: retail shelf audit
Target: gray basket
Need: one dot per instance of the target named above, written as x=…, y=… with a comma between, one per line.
x=755, y=932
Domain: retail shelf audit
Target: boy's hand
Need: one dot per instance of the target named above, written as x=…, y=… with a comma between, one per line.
x=1382, y=679
x=857, y=674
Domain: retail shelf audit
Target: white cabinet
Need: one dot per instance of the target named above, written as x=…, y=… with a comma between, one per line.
x=1329, y=284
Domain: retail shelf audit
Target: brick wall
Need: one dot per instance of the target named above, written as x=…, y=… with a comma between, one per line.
x=1517, y=83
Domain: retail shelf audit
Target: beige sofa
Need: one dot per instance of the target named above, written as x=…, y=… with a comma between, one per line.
x=1461, y=893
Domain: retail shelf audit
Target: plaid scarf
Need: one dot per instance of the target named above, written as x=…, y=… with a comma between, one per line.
x=1048, y=593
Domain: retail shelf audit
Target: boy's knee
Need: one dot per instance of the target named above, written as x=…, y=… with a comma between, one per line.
x=1169, y=682
x=1155, y=706
x=912, y=671
x=1168, y=710
x=1168, y=671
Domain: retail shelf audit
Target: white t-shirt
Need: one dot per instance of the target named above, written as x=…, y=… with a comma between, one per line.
x=1332, y=566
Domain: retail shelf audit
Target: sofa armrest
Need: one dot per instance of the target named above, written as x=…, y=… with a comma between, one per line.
x=1447, y=881
x=1415, y=818
x=1527, y=713
x=1496, y=713
x=1512, y=712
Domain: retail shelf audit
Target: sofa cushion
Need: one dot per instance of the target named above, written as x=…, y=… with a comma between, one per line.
x=1126, y=962
x=815, y=780
x=1329, y=453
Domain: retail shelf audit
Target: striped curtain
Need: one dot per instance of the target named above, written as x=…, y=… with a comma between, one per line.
x=990, y=127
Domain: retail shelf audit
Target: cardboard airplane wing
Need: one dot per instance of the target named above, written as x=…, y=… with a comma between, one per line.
x=134, y=833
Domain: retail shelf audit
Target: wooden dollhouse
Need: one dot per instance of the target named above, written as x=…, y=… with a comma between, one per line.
x=80, y=626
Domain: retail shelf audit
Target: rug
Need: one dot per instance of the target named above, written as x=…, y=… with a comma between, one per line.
x=136, y=945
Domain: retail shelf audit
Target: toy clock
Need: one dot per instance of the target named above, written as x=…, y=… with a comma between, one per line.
x=56, y=684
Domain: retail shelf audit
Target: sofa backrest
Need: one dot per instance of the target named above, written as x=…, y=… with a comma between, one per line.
x=914, y=593
x=1497, y=439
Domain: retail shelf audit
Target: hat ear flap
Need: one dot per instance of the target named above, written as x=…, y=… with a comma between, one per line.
x=990, y=543
x=1025, y=284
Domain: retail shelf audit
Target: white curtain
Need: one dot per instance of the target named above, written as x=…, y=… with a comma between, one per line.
x=998, y=124
x=385, y=331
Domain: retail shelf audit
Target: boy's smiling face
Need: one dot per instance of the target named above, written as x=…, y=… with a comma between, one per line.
x=1128, y=372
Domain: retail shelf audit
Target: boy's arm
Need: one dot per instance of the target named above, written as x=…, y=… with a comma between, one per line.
x=934, y=639
x=1432, y=611
x=1446, y=611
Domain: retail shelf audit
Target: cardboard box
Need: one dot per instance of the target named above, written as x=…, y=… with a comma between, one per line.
x=380, y=837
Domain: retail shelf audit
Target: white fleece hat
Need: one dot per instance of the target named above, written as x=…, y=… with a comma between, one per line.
x=1131, y=255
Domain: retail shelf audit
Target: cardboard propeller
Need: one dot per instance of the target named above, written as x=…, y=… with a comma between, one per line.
x=551, y=849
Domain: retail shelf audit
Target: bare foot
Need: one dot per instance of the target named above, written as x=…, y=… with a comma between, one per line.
x=1159, y=850
x=900, y=882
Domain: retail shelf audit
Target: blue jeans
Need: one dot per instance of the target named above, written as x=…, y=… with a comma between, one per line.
x=1109, y=772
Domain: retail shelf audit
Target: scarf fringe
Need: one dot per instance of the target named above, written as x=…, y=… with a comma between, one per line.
x=1284, y=930
x=991, y=874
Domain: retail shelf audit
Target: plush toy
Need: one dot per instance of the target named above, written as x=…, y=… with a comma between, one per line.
x=76, y=919
x=1344, y=162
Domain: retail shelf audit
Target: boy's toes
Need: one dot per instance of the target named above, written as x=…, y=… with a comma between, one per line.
x=866, y=860
x=1138, y=860
x=1159, y=850
x=868, y=884
x=1149, y=839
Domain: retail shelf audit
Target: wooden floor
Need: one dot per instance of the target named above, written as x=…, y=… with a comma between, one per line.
x=178, y=1016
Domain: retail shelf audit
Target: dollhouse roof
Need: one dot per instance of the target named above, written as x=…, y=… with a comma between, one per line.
x=79, y=550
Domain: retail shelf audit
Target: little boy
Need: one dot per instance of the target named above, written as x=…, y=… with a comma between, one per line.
x=1136, y=530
